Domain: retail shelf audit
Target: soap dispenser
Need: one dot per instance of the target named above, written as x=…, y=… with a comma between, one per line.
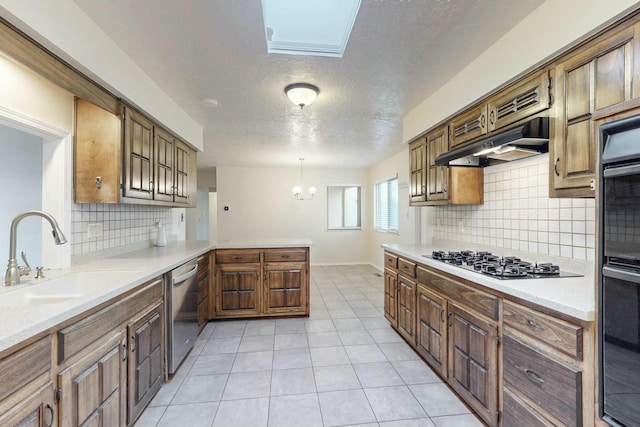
x=161, y=239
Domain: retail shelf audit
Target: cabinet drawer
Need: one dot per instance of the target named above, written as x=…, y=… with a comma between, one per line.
x=407, y=268
x=224, y=256
x=516, y=413
x=550, y=384
x=78, y=336
x=285, y=255
x=390, y=260
x=557, y=333
x=20, y=368
x=479, y=301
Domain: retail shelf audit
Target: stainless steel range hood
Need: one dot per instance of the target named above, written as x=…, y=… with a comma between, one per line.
x=525, y=140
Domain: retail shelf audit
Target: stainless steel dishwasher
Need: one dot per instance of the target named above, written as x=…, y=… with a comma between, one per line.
x=182, y=312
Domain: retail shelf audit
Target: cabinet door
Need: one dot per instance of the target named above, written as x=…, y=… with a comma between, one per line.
x=138, y=156
x=526, y=98
x=600, y=77
x=473, y=356
x=407, y=308
x=96, y=154
x=93, y=389
x=203, y=291
x=432, y=329
x=237, y=289
x=165, y=146
x=417, y=169
x=437, y=176
x=390, y=293
x=146, y=354
x=468, y=125
x=185, y=173
x=35, y=411
x=284, y=288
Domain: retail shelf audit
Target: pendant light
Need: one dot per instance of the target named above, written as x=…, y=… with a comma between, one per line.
x=298, y=190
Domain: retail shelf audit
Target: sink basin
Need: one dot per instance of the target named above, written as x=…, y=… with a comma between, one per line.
x=66, y=288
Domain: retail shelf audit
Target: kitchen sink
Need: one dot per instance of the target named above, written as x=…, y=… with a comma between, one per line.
x=65, y=288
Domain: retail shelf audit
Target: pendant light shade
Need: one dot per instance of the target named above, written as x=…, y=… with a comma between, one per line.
x=301, y=93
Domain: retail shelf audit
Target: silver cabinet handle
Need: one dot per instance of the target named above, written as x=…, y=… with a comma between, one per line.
x=534, y=377
x=534, y=325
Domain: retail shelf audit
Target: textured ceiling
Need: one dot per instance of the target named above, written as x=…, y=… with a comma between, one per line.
x=400, y=51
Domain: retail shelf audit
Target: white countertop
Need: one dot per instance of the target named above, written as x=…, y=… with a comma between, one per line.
x=109, y=278
x=573, y=296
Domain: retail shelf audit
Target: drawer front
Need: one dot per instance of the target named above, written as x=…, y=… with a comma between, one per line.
x=76, y=337
x=516, y=413
x=20, y=368
x=550, y=384
x=285, y=255
x=406, y=267
x=390, y=260
x=233, y=256
x=479, y=301
x=561, y=335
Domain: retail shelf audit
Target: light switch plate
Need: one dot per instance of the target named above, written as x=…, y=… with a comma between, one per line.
x=94, y=230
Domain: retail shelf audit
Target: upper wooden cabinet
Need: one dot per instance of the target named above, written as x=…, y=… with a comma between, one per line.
x=522, y=99
x=437, y=185
x=596, y=80
x=157, y=166
x=437, y=177
x=418, y=171
x=130, y=160
x=96, y=154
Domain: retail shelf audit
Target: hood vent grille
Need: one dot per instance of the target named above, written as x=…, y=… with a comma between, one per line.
x=519, y=103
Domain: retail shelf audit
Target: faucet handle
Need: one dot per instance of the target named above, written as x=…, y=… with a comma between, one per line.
x=39, y=273
x=24, y=271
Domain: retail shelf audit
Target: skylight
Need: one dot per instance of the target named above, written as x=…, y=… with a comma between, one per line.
x=309, y=27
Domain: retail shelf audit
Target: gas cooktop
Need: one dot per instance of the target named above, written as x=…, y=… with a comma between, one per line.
x=503, y=268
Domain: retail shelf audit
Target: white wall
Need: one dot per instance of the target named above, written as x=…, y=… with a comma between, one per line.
x=21, y=175
x=65, y=29
x=261, y=206
x=548, y=29
x=411, y=220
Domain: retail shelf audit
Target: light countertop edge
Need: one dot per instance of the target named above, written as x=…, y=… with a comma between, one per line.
x=19, y=323
x=573, y=296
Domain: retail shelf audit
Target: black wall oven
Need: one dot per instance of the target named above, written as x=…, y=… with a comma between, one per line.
x=619, y=272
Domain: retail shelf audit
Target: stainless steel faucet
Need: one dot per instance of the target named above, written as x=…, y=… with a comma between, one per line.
x=13, y=272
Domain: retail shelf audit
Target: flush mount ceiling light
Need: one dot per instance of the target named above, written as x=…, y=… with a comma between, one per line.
x=301, y=93
x=309, y=27
x=298, y=190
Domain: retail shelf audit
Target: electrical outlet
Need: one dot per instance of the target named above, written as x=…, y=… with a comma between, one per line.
x=94, y=230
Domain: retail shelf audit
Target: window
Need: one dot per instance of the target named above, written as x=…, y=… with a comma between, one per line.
x=386, y=206
x=343, y=204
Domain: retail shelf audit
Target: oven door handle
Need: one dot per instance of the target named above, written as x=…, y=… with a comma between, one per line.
x=621, y=171
x=616, y=273
x=177, y=281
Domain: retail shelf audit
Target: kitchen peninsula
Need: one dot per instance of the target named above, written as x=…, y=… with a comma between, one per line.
x=93, y=335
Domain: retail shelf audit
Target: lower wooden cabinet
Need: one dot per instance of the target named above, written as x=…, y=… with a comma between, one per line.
x=37, y=410
x=261, y=282
x=93, y=389
x=146, y=354
x=284, y=288
x=407, y=308
x=431, y=339
x=238, y=293
x=390, y=292
x=203, y=291
x=473, y=361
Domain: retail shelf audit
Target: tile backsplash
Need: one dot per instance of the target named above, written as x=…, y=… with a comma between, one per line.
x=115, y=228
x=518, y=214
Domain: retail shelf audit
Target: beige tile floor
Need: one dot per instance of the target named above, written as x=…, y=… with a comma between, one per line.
x=341, y=366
